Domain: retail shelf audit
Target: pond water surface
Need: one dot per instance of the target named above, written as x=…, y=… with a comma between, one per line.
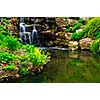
x=67, y=67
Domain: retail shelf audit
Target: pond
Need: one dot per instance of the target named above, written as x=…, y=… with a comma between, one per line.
x=67, y=67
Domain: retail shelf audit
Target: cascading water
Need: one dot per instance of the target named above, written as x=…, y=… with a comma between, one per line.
x=34, y=34
x=22, y=30
x=27, y=37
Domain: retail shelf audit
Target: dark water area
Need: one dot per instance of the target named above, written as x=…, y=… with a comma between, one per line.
x=67, y=67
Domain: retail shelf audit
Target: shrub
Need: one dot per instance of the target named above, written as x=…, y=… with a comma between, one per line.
x=12, y=43
x=95, y=46
x=9, y=67
x=6, y=57
x=77, y=26
x=34, y=55
x=77, y=36
x=92, y=27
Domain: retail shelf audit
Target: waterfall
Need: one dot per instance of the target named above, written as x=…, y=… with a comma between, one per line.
x=34, y=34
x=27, y=36
x=46, y=19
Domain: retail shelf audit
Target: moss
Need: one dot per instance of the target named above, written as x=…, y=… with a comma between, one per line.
x=92, y=26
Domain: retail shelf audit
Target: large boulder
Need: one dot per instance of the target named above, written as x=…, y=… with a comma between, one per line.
x=73, y=45
x=85, y=43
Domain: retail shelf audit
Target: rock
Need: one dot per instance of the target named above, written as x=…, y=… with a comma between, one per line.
x=72, y=22
x=68, y=36
x=47, y=33
x=17, y=75
x=61, y=23
x=73, y=45
x=79, y=30
x=85, y=43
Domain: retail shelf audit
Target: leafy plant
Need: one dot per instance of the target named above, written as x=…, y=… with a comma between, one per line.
x=6, y=57
x=92, y=27
x=23, y=71
x=95, y=46
x=9, y=67
x=34, y=55
x=97, y=35
x=12, y=43
x=67, y=29
x=77, y=36
x=80, y=20
x=77, y=26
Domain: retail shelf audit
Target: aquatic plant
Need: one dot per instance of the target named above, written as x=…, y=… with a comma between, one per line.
x=76, y=36
x=92, y=28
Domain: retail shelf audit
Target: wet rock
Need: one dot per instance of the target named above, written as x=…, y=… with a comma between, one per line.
x=73, y=45
x=85, y=43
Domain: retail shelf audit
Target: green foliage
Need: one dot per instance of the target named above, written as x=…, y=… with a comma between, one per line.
x=97, y=35
x=92, y=28
x=9, y=67
x=1, y=28
x=80, y=20
x=34, y=55
x=5, y=20
x=77, y=36
x=23, y=71
x=12, y=43
x=67, y=29
x=6, y=57
x=95, y=46
x=77, y=26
